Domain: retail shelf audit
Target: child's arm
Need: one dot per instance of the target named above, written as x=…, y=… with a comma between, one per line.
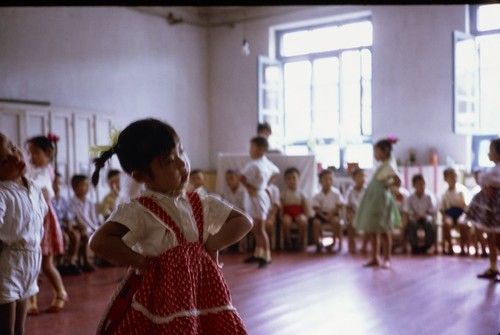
x=107, y=243
x=251, y=190
x=237, y=225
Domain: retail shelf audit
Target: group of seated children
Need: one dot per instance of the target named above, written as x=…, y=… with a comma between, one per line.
x=335, y=212
x=79, y=217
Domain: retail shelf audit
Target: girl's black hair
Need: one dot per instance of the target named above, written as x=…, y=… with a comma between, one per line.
x=138, y=144
x=47, y=145
x=260, y=142
x=386, y=145
x=43, y=143
x=292, y=170
x=496, y=145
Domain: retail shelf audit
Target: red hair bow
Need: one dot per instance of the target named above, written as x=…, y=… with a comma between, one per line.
x=53, y=137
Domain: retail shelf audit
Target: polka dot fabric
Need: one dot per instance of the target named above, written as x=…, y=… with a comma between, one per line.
x=183, y=291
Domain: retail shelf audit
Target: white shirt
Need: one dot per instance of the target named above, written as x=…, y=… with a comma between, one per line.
x=328, y=202
x=43, y=177
x=149, y=236
x=353, y=197
x=85, y=213
x=289, y=197
x=458, y=197
x=275, y=194
x=237, y=197
x=258, y=172
x=490, y=176
x=422, y=206
x=22, y=211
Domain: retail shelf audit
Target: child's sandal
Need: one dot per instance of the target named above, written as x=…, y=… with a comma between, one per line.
x=33, y=311
x=57, y=303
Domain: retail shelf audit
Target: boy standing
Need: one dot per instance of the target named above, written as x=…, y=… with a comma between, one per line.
x=255, y=176
x=420, y=207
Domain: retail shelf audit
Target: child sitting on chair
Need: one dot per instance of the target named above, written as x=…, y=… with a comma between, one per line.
x=327, y=204
x=420, y=207
x=453, y=203
x=294, y=209
x=353, y=197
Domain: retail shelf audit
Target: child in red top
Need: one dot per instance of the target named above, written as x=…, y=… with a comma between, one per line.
x=170, y=237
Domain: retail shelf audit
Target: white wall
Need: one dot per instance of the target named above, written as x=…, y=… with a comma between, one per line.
x=412, y=77
x=113, y=59
x=136, y=65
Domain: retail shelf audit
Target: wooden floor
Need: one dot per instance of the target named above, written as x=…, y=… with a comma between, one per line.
x=315, y=294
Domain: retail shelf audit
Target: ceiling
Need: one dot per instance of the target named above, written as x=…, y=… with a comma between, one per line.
x=213, y=16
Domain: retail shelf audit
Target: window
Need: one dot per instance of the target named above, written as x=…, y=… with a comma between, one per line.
x=477, y=73
x=476, y=81
x=316, y=93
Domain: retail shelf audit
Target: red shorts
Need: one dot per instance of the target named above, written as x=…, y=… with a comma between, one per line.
x=293, y=210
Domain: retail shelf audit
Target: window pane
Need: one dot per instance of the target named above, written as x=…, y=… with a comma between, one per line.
x=351, y=94
x=296, y=43
x=328, y=154
x=489, y=47
x=297, y=101
x=360, y=153
x=325, y=39
x=488, y=17
x=356, y=34
x=326, y=99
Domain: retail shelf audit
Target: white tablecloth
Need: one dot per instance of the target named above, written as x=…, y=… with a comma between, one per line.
x=305, y=164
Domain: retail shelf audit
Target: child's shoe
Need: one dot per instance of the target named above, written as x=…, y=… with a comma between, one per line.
x=58, y=302
x=488, y=274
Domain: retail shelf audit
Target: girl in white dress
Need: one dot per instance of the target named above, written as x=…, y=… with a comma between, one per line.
x=22, y=211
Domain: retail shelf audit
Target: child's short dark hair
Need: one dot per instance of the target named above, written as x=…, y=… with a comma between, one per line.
x=292, y=169
x=138, y=145
x=264, y=126
x=44, y=143
x=112, y=173
x=77, y=179
x=233, y=171
x=324, y=172
x=356, y=171
x=260, y=142
x=195, y=171
x=416, y=178
x=449, y=171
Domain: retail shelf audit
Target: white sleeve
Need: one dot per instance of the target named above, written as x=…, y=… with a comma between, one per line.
x=215, y=212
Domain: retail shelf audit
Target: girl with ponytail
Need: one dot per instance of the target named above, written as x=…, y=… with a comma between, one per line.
x=378, y=213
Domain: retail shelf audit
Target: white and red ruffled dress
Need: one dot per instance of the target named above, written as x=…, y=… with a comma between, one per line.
x=182, y=291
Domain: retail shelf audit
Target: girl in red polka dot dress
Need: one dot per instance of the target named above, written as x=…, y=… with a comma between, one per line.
x=170, y=238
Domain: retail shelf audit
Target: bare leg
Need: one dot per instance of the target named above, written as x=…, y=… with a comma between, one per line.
x=375, y=242
x=493, y=250
x=60, y=294
x=302, y=223
x=8, y=318
x=317, y=234
x=387, y=240
x=21, y=312
x=287, y=226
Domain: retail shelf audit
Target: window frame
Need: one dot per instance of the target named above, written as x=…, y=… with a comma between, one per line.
x=365, y=135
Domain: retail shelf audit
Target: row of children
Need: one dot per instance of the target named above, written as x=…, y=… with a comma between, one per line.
x=415, y=213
